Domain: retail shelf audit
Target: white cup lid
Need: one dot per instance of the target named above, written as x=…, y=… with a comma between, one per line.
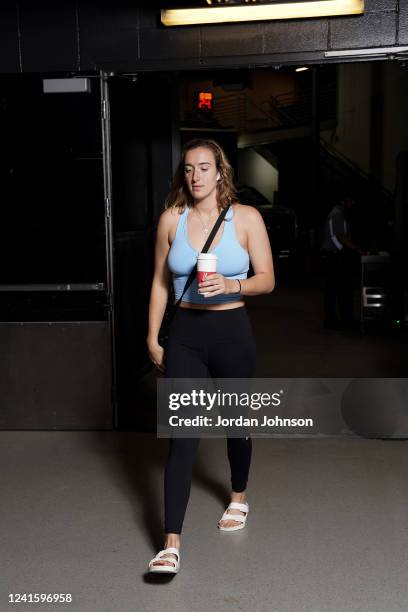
x=207, y=256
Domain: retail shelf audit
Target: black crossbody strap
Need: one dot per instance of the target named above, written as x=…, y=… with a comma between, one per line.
x=204, y=250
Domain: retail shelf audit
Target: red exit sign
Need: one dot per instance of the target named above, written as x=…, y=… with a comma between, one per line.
x=205, y=100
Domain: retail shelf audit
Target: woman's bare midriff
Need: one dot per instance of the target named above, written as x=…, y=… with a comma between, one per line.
x=228, y=306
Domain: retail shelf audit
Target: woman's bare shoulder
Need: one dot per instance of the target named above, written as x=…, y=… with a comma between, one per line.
x=170, y=213
x=168, y=221
x=169, y=217
x=247, y=213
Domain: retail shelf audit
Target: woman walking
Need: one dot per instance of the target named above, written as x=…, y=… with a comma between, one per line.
x=211, y=333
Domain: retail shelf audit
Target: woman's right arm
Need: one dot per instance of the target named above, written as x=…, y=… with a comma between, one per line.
x=160, y=289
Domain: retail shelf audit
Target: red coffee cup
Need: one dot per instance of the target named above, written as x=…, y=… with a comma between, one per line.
x=206, y=265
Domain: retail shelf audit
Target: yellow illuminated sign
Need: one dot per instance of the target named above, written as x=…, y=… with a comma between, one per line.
x=257, y=12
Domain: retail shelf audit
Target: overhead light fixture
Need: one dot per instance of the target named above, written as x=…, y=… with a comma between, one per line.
x=374, y=52
x=302, y=69
x=253, y=11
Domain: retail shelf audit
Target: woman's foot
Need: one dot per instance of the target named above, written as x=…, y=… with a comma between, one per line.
x=235, y=497
x=173, y=541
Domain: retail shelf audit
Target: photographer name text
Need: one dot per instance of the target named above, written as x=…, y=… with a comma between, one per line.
x=240, y=421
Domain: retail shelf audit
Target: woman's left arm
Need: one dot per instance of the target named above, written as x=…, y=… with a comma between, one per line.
x=260, y=254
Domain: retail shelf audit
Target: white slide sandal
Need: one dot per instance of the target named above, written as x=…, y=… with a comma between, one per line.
x=166, y=569
x=235, y=517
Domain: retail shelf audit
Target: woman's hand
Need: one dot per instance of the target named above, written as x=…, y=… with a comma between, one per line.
x=156, y=354
x=217, y=284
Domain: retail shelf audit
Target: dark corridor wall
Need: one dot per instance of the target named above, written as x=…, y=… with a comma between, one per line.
x=142, y=118
x=81, y=35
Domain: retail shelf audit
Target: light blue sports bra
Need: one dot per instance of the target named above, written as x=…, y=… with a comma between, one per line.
x=232, y=262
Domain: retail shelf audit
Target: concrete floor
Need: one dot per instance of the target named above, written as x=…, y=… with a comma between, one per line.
x=81, y=513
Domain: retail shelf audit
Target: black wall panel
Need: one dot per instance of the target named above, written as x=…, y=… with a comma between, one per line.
x=380, y=5
x=370, y=30
x=109, y=32
x=149, y=17
x=141, y=123
x=170, y=43
x=289, y=36
x=49, y=39
x=125, y=36
x=244, y=39
x=53, y=218
x=403, y=23
x=9, y=56
x=55, y=376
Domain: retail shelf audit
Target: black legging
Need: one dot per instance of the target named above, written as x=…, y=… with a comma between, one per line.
x=202, y=343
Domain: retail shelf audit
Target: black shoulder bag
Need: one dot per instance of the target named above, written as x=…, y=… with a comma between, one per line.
x=172, y=308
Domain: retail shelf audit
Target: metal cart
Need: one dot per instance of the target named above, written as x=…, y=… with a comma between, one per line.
x=375, y=288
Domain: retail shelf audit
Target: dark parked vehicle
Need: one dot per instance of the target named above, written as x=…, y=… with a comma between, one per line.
x=280, y=221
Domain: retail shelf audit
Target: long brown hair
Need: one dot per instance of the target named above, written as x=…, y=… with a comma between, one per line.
x=179, y=195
